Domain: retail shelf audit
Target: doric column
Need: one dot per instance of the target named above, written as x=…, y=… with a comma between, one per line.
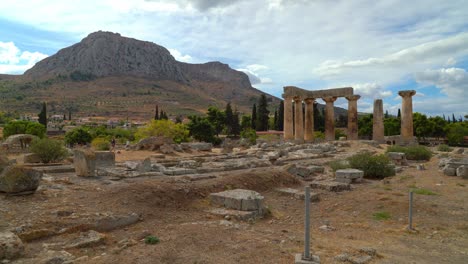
x=298, y=120
x=329, y=118
x=288, y=118
x=309, y=120
x=377, y=125
x=352, y=117
x=406, y=133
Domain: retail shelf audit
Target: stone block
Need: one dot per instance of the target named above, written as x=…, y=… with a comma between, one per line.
x=166, y=149
x=236, y=214
x=105, y=159
x=19, y=179
x=238, y=199
x=11, y=246
x=331, y=186
x=31, y=158
x=449, y=170
x=298, y=194
x=349, y=175
x=112, y=222
x=85, y=162
x=88, y=239
x=312, y=260
x=462, y=171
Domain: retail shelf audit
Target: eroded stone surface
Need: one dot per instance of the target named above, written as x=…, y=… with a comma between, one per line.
x=18, y=179
x=86, y=239
x=238, y=199
x=349, y=175
x=85, y=162
x=11, y=246
x=105, y=159
x=331, y=186
x=298, y=194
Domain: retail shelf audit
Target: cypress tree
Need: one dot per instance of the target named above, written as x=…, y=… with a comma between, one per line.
x=254, y=117
x=236, y=129
x=229, y=121
x=43, y=115
x=453, y=118
x=262, y=114
x=386, y=114
x=399, y=113
x=275, y=120
x=280, y=116
x=156, y=115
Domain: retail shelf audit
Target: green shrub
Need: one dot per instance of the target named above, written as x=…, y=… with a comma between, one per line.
x=164, y=128
x=381, y=216
x=48, y=150
x=77, y=136
x=152, y=240
x=412, y=152
x=444, y=148
x=339, y=133
x=100, y=143
x=423, y=191
x=24, y=127
x=249, y=134
x=319, y=135
x=377, y=166
x=339, y=165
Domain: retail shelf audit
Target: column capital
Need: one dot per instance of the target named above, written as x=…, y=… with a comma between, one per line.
x=287, y=97
x=297, y=99
x=329, y=99
x=406, y=93
x=354, y=97
x=309, y=100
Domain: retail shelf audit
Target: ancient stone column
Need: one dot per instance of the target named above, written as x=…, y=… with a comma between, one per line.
x=288, y=118
x=352, y=117
x=309, y=120
x=329, y=118
x=298, y=120
x=378, y=126
x=406, y=133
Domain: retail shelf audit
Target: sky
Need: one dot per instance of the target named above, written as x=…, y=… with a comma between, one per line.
x=376, y=47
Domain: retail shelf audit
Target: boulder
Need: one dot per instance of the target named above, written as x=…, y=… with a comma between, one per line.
x=462, y=171
x=105, y=159
x=11, y=246
x=152, y=143
x=200, y=146
x=18, y=179
x=84, y=161
x=349, y=175
x=398, y=158
x=4, y=162
x=144, y=166
x=166, y=149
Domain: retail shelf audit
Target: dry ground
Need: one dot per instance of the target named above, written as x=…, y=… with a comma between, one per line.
x=174, y=210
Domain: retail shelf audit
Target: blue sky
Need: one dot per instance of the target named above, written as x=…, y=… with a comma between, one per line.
x=377, y=47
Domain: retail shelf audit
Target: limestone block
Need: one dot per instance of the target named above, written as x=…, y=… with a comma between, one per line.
x=238, y=199
x=200, y=146
x=85, y=162
x=11, y=246
x=17, y=179
x=449, y=170
x=298, y=194
x=111, y=222
x=88, y=239
x=189, y=164
x=105, y=159
x=144, y=166
x=31, y=158
x=331, y=186
x=462, y=171
x=349, y=175
x=396, y=155
x=166, y=149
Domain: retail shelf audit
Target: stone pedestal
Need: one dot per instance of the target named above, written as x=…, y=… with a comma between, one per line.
x=288, y=118
x=298, y=120
x=309, y=120
x=329, y=118
x=407, y=115
x=352, y=117
x=378, y=125
x=312, y=260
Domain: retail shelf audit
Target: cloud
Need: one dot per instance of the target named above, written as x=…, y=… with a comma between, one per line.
x=178, y=56
x=451, y=81
x=13, y=61
x=254, y=71
x=372, y=90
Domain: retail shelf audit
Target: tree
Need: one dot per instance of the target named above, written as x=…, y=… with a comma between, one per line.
x=43, y=115
x=386, y=114
x=235, y=123
x=164, y=128
x=453, y=118
x=156, y=115
x=365, y=125
x=422, y=128
x=202, y=129
x=24, y=127
x=280, y=123
x=438, y=125
x=49, y=150
x=391, y=126
x=253, y=118
x=399, y=113
x=262, y=114
x=319, y=119
x=229, y=119
x=216, y=118
x=78, y=136
x=246, y=122
x=456, y=132
x=275, y=120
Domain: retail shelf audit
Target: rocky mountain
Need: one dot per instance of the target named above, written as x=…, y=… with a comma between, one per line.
x=106, y=69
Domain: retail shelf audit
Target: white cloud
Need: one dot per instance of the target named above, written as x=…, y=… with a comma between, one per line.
x=254, y=71
x=178, y=56
x=451, y=81
x=372, y=90
x=13, y=61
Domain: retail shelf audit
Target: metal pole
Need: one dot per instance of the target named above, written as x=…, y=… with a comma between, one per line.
x=307, y=224
x=410, y=215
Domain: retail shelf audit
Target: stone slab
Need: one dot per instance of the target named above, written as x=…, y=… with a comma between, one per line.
x=238, y=199
x=297, y=194
x=56, y=169
x=105, y=159
x=331, y=186
x=236, y=214
x=313, y=260
x=335, y=92
x=349, y=175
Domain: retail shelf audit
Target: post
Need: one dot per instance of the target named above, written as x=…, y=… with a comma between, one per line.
x=307, y=224
x=410, y=213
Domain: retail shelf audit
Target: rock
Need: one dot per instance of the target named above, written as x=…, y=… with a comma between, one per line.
x=17, y=179
x=84, y=161
x=297, y=194
x=31, y=158
x=4, y=162
x=342, y=257
x=86, y=239
x=360, y=260
x=398, y=158
x=152, y=143
x=236, y=214
x=11, y=246
x=143, y=166
x=200, y=146
x=238, y=199
x=459, y=150
x=166, y=149
x=420, y=167
x=331, y=186
x=368, y=250
x=326, y=228
x=462, y=171
x=105, y=159
x=349, y=175
x=111, y=222
x=449, y=170
x=188, y=164
x=54, y=257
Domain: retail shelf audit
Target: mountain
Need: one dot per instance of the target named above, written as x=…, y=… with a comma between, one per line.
x=111, y=75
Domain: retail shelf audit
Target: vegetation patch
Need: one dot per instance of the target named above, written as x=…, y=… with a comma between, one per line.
x=374, y=166
x=152, y=240
x=423, y=191
x=49, y=150
x=412, y=152
x=444, y=148
x=100, y=144
x=379, y=216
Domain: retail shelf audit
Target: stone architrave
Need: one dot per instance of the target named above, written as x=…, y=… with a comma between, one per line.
x=288, y=118
x=329, y=117
x=298, y=120
x=309, y=120
x=407, y=115
x=378, y=126
x=352, y=117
